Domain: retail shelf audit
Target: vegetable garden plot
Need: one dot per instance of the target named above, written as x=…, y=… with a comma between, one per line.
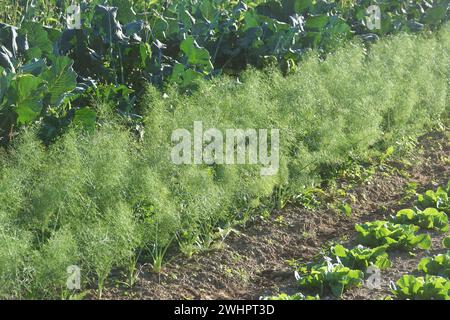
x=334, y=272
x=87, y=114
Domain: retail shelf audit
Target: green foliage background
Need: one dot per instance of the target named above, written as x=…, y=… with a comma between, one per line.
x=50, y=74
x=99, y=198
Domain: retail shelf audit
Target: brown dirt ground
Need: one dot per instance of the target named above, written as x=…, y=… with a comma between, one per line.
x=252, y=262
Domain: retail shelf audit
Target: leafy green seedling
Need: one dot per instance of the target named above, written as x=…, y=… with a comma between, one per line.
x=361, y=258
x=420, y=288
x=296, y=296
x=430, y=218
x=438, y=265
x=438, y=199
x=346, y=209
x=394, y=236
x=446, y=242
x=326, y=275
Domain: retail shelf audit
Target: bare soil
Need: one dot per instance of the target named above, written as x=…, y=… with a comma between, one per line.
x=252, y=262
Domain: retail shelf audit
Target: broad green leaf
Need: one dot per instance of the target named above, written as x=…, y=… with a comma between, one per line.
x=26, y=93
x=339, y=26
x=346, y=209
x=316, y=22
x=35, y=67
x=423, y=264
x=301, y=5
x=186, y=18
x=250, y=20
x=428, y=288
x=207, y=9
x=408, y=213
x=409, y=285
x=383, y=262
x=61, y=79
x=339, y=250
x=145, y=53
x=446, y=242
x=434, y=15
x=196, y=55
x=438, y=265
x=126, y=12
x=38, y=40
x=184, y=76
x=423, y=241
